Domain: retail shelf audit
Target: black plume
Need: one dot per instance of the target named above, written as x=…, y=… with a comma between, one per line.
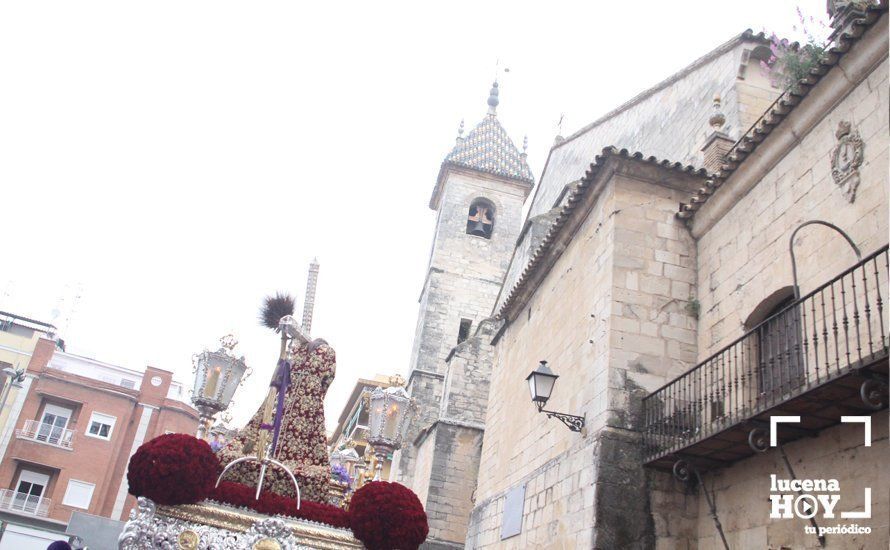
x=276, y=307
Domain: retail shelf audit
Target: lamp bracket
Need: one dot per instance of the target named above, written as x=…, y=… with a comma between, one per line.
x=574, y=423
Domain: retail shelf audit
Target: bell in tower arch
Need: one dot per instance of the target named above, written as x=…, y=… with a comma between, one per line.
x=480, y=220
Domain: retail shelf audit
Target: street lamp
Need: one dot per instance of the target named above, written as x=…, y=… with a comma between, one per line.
x=389, y=414
x=540, y=384
x=16, y=377
x=217, y=375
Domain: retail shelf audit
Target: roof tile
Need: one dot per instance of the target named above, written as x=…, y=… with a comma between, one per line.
x=489, y=149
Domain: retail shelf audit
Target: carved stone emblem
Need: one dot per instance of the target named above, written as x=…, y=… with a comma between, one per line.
x=846, y=159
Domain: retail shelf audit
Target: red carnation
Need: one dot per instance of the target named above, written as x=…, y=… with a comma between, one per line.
x=238, y=494
x=173, y=469
x=387, y=516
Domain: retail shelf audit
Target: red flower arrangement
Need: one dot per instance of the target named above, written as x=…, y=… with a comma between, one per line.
x=387, y=516
x=180, y=469
x=269, y=503
x=173, y=469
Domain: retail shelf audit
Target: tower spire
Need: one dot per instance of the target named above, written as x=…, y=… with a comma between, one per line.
x=309, y=300
x=493, y=99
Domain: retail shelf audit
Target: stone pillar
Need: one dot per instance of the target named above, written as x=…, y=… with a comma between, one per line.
x=714, y=152
x=718, y=144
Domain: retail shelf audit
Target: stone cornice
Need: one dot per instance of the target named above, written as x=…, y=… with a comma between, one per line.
x=448, y=422
x=522, y=187
x=574, y=212
x=424, y=373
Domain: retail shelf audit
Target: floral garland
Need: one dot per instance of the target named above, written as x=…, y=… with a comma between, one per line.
x=387, y=516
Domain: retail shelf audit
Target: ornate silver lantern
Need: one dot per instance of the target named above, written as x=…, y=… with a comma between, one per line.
x=217, y=375
x=345, y=457
x=390, y=412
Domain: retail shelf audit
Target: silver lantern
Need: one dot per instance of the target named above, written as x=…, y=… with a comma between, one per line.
x=217, y=375
x=390, y=412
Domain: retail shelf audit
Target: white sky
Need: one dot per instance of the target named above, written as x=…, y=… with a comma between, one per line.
x=177, y=161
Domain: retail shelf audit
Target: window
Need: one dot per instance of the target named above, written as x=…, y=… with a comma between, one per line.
x=128, y=383
x=78, y=494
x=53, y=424
x=777, y=349
x=464, y=331
x=480, y=219
x=29, y=491
x=101, y=425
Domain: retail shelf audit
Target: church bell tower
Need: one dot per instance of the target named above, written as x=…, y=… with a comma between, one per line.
x=478, y=197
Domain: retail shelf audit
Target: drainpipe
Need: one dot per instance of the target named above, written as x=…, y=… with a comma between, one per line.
x=683, y=471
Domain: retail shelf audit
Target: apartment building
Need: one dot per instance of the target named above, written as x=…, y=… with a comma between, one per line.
x=79, y=423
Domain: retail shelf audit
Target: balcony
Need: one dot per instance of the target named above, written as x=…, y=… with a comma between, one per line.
x=46, y=434
x=24, y=503
x=822, y=357
x=358, y=433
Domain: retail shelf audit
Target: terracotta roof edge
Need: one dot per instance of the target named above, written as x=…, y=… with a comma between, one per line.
x=572, y=201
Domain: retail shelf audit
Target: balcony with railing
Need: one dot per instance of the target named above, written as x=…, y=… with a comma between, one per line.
x=358, y=433
x=24, y=503
x=34, y=430
x=822, y=357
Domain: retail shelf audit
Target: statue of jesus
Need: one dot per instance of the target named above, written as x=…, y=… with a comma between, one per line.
x=302, y=445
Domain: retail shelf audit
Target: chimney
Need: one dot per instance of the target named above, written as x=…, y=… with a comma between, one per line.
x=718, y=143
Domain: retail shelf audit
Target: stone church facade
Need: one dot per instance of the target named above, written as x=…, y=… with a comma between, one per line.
x=478, y=198
x=653, y=273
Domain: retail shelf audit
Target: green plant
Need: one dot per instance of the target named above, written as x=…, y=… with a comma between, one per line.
x=789, y=62
x=693, y=307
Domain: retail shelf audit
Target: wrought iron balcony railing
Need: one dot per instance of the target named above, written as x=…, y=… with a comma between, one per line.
x=833, y=331
x=358, y=433
x=24, y=503
x=46, y=433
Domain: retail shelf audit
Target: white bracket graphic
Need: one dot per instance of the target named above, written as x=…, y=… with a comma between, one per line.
x=862, y=420
x=774, y=420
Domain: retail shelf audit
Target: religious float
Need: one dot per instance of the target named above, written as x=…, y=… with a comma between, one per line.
x=272, y=486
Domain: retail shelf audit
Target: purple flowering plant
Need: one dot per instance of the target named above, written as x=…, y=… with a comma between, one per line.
x=339, y=472
x=789, y=62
